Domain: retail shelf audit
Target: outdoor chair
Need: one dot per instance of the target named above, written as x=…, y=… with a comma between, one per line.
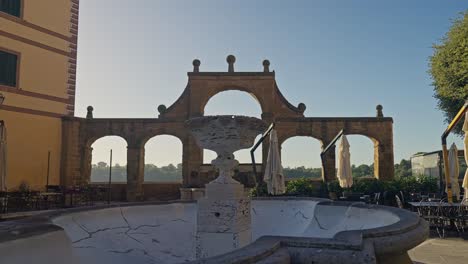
x=432, y=215
x=415, y=197
x=376, y=199
x=461, y=217
x=398, y=201
x=445, y=215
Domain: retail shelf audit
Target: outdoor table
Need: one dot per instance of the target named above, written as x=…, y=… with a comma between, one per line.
x=433, y=204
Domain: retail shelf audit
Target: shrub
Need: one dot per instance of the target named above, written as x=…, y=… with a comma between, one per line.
x=334, y=187
x=300, y=187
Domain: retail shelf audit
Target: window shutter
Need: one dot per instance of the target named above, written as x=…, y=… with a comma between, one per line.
x=12, y=7
x=8, y=67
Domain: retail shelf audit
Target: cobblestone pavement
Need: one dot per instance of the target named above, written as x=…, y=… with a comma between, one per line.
x=441, y=251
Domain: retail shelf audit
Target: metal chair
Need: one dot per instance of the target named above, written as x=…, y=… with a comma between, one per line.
x=461, y=217
x=398, y=201
x=376, y=199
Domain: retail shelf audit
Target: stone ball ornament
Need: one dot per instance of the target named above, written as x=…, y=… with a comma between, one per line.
x=162, y=109
x=301, y=107
x=230, y=59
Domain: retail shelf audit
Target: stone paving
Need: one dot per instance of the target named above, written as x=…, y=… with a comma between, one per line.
x=441, y=251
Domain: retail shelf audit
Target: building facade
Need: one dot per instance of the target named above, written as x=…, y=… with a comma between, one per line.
x=38, y=44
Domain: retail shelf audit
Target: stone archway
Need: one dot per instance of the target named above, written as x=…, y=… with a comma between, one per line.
x=201, y=86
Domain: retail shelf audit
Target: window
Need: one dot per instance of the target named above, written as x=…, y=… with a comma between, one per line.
x=8, y=68
x=12, y=7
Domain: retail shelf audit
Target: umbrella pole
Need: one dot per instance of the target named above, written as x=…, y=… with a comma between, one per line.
x=447, y=173
x=447, y=131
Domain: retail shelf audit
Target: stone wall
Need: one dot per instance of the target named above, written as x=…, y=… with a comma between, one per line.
x=80, y=133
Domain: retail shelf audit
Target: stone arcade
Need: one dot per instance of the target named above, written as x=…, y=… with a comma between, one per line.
x=80, y=133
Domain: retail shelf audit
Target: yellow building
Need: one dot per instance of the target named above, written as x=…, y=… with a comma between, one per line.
x=38, y=42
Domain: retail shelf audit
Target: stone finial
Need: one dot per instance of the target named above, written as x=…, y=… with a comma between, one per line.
x=379, y=110
x=301, y=107
x=89, y=115
x=196, y=65
x=230, y=60
x=162, y=109
x=266, y=66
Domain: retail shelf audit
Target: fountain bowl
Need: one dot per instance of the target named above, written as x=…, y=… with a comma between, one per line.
x=225, y=134
x=284, y=230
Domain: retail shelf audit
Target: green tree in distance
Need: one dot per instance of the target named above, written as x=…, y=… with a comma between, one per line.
x=449, y=69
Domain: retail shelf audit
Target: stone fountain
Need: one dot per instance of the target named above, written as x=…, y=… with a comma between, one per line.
x=223, y=218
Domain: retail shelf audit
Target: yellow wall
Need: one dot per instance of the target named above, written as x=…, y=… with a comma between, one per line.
x=43, y=70
x=57, y=18
x=29, y=139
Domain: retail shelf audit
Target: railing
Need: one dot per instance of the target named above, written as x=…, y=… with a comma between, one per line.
x=328, y=147
x=447, y=131
x=252, y=152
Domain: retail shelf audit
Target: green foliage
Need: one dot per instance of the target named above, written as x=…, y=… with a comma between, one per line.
x=259, y=191
x=449, y=69
x=334, y=187
x=368, y=186
x=300, y=187
x=428, y=184
x=169, y=173
x=403, y=169
x=302, y=172
x=362, y=170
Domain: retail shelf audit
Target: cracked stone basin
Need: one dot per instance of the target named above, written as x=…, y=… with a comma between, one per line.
x=166, y=233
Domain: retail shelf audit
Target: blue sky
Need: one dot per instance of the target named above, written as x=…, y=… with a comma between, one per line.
x=340, y=58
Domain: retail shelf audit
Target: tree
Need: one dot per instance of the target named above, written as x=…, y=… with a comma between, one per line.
x=449, y=69
x=403, y=169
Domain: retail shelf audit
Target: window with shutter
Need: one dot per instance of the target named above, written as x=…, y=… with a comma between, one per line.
x=8, y=68
x=12, y=7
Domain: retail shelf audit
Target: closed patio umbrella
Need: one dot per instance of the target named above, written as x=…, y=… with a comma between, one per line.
x=465, y=179
x=3, y=156
x=274, y=176
x=454, y=170
x=344, y=173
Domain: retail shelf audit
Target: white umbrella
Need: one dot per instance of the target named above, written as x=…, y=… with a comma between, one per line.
x=3, y=157
x=344, y=174
x=454, y=170
x=465, y=179
x=274, y=176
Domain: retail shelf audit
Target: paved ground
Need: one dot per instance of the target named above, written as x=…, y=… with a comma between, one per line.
x=441, y=251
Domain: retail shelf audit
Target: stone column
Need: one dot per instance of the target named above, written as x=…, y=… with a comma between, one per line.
x=192, y=158
x=383, y=160
x=71, y=156
x=329, y=165
x=86, y=159
x=135, y=172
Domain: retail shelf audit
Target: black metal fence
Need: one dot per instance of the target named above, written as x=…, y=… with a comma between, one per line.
x=54, y=197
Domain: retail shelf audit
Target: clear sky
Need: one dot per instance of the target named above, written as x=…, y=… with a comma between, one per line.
x=340, y=58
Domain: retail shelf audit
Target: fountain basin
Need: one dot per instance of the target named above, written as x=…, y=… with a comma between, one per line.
x=287, y=230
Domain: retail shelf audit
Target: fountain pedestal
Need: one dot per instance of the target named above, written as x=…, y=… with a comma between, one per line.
x=223, y=220
x=223, y=217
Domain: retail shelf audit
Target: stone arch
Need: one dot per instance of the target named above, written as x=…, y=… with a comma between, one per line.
x=310, y=154
x=205, y=99
x=374, y=142
x=144, y=149
x=88, y=153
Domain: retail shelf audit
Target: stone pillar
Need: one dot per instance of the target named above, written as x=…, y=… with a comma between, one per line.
x=71, y=156
x=135, y=172
x=192, y=158
x=87, y=158
x=383, y=160
x=329, y=165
